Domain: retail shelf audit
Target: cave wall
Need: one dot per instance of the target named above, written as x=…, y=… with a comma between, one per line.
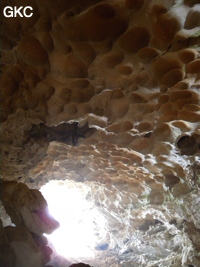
x=22, y=243
x=106, y=93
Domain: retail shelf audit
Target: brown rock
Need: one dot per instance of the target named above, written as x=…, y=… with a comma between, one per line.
x=147, y=54
x=26, y=251
x=134, y=39
x=187, y=145
x=134, y=4
x=165, y=28
x=80, y=265
x=7, y=254
x=194, y=234
x=172, y=77
x=102, y=23
x=193, y=67
x=192, y=20
x=27, y=207
x=31, y=52
x=187, y=55
x=180, y=189
x=84, y=51
x=171, y=180
x=191, y=2
x=110, y=60
x=164, y=64
x=126, y=72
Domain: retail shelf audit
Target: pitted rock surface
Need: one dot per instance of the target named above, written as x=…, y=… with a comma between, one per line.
x=106, y=94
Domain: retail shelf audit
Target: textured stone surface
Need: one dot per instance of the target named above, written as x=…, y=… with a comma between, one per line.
x=7, y=256
x=127, y=74
x=80, y=265
x=23, y=244
x=27, y=207
x=26, y=251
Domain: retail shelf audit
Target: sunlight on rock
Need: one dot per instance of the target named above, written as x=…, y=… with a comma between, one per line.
x=105, y=96
x=81, y=224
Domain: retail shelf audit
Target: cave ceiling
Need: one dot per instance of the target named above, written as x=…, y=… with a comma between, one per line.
x=106, y=94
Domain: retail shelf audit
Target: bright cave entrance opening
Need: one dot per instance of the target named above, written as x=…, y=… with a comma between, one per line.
x=82, y=226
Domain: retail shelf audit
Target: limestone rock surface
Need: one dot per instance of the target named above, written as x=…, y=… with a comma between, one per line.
x=27, y=207
x=103, y=95
x=7, y=256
